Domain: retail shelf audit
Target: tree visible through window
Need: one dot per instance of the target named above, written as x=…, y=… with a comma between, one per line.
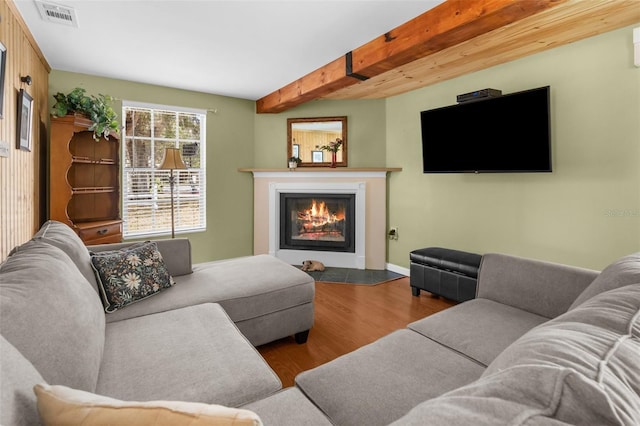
x=146, y=203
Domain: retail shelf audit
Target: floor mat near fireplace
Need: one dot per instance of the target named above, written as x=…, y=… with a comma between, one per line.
x=354, y=276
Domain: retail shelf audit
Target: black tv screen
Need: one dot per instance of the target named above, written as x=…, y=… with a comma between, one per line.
x=509, y=133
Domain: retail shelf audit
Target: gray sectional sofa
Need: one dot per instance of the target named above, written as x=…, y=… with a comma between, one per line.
x=541, y=344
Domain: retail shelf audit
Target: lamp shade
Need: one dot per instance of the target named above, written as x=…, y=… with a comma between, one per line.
x=172, y=160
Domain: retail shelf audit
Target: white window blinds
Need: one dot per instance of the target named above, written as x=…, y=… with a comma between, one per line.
x=146, y=199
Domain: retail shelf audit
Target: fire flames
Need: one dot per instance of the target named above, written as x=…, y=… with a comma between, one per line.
x=318, y=216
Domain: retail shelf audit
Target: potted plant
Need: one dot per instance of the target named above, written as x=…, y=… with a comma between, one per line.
x=96, y=108
x=333, y=148
x=294, y=162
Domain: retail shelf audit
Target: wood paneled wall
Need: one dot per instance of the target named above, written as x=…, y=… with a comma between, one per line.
x=22, y=191
x=312, y=141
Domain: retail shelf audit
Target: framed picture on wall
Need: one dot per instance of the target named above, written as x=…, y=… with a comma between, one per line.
x=3, y=66
x=316, y=156
x=296, y=150
x=25, y=121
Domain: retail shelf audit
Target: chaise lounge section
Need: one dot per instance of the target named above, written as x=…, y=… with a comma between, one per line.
x=266, y=298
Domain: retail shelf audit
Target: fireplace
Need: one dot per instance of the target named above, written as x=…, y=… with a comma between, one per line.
x=322, y=222
x=326, y=244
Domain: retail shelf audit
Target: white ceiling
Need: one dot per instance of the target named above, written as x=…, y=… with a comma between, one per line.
x=244, y=49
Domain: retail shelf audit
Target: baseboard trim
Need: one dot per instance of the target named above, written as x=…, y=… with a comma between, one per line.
x=397, y=269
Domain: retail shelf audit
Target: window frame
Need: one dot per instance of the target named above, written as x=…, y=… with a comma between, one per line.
x=126, y=199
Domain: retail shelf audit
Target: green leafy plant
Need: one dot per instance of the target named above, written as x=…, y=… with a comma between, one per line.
x=96, y=108
x=296, y=159
x=334, y=146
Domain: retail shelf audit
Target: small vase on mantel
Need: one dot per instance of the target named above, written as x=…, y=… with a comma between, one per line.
x=333, y=159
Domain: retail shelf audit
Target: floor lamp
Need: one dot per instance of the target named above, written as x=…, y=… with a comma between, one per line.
x=172, y=161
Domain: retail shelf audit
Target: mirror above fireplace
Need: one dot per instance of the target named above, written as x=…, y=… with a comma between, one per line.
x=306, y=136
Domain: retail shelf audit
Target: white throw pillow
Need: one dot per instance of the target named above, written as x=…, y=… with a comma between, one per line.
x=60, y=405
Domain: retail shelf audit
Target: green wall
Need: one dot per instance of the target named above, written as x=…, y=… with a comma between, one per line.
x=585, y=213
x=365, y=137
x=229, y=146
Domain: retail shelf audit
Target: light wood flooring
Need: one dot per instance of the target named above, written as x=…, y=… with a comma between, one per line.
x=347, y=317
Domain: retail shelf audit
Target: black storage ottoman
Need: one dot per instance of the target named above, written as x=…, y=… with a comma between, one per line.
x=444, y=272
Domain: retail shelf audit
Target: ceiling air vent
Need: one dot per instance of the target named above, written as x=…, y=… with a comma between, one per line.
x=58, y=14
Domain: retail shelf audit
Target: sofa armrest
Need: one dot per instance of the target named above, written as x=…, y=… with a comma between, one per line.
x=175, y=252
x=536, y=286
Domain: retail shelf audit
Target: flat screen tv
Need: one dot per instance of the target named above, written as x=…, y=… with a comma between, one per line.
x=506, y=134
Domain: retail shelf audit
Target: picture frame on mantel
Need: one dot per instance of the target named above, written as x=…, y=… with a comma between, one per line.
x=25, y=121
x=3, y=67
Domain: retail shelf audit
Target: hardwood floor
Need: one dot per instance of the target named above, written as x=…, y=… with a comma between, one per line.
x=346, y=318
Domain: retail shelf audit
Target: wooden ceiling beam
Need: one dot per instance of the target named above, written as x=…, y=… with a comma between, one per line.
x=327, y=79
x=574, y=20
x=444, y=26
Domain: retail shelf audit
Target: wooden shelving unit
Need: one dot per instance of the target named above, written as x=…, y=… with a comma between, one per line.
x=84, y=189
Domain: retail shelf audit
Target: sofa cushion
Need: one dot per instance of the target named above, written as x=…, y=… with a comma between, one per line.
x=479, y=328
x=519, y=396
x=17, y=401
x=382, y=381
x=63, y=237
x=600, y=339
x=542, y=288
x=246, y=287
x=176, y=253
x=131, y=274
x=60, y=405
x=191, y=354
x=620, y=273
x=288, y=407
x=51, y=314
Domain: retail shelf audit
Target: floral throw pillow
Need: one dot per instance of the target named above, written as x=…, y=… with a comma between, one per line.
x=130, y=274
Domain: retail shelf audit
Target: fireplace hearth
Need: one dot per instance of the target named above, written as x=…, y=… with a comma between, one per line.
x=321, y=222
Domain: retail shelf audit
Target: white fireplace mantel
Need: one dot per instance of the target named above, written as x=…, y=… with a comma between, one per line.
x=369, y=185
x=329, y=258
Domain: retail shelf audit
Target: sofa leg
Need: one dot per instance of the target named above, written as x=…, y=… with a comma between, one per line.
x=301, y=337
x=415, y=291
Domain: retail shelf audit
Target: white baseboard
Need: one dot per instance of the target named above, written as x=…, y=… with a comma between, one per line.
x=397, y=269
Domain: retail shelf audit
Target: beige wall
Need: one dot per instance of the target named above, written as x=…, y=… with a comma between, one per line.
x=229, y=146
x=585, y=213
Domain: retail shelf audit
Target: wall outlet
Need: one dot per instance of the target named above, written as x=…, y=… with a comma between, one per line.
x=393, y=233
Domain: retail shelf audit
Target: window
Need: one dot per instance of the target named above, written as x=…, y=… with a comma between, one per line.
x=146, y=193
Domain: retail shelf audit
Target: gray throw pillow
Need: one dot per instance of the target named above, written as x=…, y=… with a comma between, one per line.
x=131, y=274
x=620, y=273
